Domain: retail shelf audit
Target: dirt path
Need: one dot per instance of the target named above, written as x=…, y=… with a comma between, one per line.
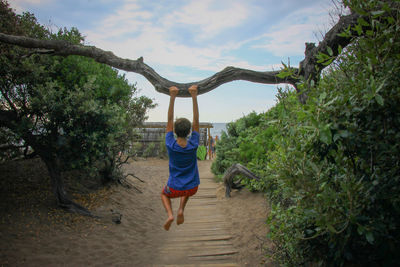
x=216, y=232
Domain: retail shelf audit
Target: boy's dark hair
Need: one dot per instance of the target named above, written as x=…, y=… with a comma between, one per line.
x=182, y=127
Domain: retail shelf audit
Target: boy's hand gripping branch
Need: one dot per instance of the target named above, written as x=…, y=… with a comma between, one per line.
x=173, y=91
x=193, y=90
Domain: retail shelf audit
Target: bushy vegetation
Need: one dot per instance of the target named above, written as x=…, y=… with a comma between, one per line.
x=331, y=167
x=72, y=112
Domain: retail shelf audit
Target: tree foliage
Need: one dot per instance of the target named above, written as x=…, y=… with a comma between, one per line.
x=331, y=167
x=71, y=111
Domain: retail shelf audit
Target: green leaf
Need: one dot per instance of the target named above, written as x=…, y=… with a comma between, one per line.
x=330, y=52
x=328, y=62
x=358, y=29
x=344, y=133
x=331, y=228
x=336, y=137
x=377, y=13
x=370, y=33
x=379, y=99
x=322, y=96
x=362, y=22
x=283, y=74
x=322, y=186
x=360, y=229
x=370, y=237
x=325, y=135
x=340, y=49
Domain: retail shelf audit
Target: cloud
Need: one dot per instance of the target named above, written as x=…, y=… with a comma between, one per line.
x=20, y=5
x=132, y=32
x=210, y=17
x=288, y=38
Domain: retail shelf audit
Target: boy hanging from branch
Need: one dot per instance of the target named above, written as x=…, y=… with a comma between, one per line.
x=183, y=178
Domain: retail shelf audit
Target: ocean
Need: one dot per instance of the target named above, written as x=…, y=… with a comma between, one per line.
x=218, y=128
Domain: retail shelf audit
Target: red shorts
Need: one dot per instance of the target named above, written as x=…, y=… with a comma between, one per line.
x=172, y=193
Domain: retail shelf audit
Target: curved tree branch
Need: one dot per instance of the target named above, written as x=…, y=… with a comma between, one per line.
x=161, y=84
x=308, y=68
x=230, y=174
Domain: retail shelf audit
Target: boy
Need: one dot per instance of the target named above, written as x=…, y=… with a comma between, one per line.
x=183, y=178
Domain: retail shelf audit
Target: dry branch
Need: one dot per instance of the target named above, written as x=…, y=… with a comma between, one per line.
x=308, y=68
x=230, y=174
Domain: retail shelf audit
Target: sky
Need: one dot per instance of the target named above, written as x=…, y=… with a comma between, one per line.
x=187, y=41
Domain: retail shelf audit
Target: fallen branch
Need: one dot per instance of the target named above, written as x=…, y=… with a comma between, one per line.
x=230, y=174
x=134, y=176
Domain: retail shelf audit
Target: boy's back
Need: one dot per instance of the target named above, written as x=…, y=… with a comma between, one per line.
x=183, y=170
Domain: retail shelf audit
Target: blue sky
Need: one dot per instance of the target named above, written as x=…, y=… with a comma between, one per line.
x=187, y=41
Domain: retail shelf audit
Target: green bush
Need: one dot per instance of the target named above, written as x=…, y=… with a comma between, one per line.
x=331, y=167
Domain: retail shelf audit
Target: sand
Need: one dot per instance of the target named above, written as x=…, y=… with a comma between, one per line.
x=35, y=233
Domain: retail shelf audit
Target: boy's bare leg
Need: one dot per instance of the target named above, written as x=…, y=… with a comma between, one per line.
x=180, y=218
x=167, y=205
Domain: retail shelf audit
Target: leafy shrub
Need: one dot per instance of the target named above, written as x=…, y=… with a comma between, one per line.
x=331, y=167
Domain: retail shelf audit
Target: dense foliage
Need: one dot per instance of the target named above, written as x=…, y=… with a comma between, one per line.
x=71, y=111
x=331, y=167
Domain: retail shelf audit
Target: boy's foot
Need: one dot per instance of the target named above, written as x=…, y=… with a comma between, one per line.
x=168, y=223
x=180, y=218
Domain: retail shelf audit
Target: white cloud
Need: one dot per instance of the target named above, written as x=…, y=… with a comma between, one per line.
x=288, y=38
x=208, y=19
x=19, y=5
x=157, y=49
x=140, y=33
x=288, y=41
x=126, y=20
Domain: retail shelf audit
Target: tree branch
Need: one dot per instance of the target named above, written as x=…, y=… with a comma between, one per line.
x=160, y=83
x=308, y=68
x=231, y=172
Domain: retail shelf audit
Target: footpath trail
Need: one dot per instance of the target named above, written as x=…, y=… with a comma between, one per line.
x=217, y=232
x=204, y=239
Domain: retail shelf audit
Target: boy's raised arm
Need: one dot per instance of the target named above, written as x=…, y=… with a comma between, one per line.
x=193, y=93
x=173, y=92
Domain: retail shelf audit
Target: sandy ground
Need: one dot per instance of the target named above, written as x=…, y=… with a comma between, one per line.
x=35, y=233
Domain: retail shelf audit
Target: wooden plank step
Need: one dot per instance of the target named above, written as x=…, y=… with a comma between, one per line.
x=201, y=243
x=213, y=254
x=198, y=234
x=203, y=196
x=207, y=234
x=205, y=220
x=201, y=226
x=200, y=238
x=198, y=250
x=201, y=231
x=228, y=264
x=204, y=202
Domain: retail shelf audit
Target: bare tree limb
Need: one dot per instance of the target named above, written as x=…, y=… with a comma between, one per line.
x=231, y=172
x=160, y=83
x=308, y=68
x=134, y=176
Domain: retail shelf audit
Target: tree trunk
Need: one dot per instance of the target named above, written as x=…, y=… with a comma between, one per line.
x=11, y=120
x=63, y=201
